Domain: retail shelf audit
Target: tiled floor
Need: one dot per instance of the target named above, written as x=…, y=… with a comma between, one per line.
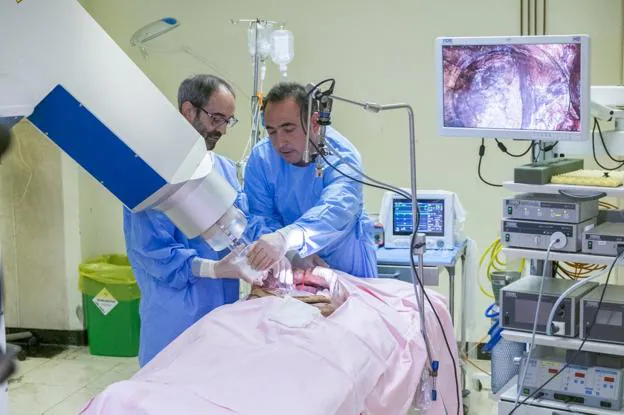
x=62, y=385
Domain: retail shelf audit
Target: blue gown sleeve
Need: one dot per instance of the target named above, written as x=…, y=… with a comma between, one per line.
x=259, y=196
x=337, y=210
x=150, y=238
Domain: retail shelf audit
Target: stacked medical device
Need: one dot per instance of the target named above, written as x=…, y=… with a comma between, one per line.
x=565, y=308
x=529, y=220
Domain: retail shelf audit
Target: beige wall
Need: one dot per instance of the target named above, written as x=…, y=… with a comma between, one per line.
x=101, y=221
x=40, y=236
x=378, y=51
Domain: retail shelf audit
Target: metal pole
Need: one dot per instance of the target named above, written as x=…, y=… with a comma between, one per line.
x=420, y=238
x=256, y=59
x=254, y=98
x=544, y=30
x=349, y=101
x=306, y=150
x=535, y=17
x=521, y=17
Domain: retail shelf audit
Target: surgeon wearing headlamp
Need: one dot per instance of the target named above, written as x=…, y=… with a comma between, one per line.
x=316, y=219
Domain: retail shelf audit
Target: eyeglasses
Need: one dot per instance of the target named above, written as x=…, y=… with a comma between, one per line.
x=219, y=119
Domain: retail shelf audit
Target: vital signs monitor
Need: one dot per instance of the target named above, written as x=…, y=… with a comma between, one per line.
x=436, y=209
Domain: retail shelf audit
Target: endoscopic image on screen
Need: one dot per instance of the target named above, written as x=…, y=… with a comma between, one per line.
x=528, y=87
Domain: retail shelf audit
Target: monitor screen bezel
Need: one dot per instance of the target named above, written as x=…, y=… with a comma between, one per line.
x=518, y=134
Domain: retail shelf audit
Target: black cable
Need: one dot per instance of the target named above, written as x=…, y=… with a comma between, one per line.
x=324, y=81
x=594, y=148
x=312, y=90
x=604, y=145
x=382, y=187
x=371, y=182
x=503, y=148
x=481, y=154
x=422, y=287
x=589, y=327
x=549, y=147
x=537, y=156
x=303, y=117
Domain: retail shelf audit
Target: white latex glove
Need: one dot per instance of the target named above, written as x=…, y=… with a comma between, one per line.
x=282, y=271
x=267, y=250
x=233, y=265
x=308, y=262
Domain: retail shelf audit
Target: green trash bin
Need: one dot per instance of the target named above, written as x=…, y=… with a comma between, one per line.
x=110, y=297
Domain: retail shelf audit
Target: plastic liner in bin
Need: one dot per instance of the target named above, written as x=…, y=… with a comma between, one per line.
x=112, y=271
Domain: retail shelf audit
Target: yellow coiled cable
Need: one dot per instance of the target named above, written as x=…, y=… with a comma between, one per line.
x=495, y=263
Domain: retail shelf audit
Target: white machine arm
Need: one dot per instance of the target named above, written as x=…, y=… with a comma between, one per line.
x=60, y=69
x=607, y=104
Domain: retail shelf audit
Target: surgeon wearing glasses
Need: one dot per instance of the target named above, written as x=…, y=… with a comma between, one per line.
x=181, y=280
x=216, y=123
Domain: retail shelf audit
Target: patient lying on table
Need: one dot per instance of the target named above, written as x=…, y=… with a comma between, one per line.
x=335, y=345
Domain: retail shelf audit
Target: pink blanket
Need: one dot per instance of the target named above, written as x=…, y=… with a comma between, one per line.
x=275, y=356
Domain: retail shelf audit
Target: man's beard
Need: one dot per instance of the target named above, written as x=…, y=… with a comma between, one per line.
x=210, y=138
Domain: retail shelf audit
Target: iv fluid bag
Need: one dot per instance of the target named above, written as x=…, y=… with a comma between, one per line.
x=283, y=50
x=264, y=40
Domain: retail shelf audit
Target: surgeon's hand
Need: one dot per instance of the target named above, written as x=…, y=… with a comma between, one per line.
x=282, y=271
x=267, y=251
x=234, y=265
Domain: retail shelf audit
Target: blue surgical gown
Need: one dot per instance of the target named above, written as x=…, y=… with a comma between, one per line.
x=172, y=299
x=329, y=209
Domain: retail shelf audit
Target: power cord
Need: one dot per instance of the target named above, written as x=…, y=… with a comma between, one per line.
x=481, y=154
x=549, y=147
x=589, y=327
x=604, y=145
x=597, y=126
x=503, y=148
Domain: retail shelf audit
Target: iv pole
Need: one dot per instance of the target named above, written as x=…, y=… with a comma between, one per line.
x=257, y=96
